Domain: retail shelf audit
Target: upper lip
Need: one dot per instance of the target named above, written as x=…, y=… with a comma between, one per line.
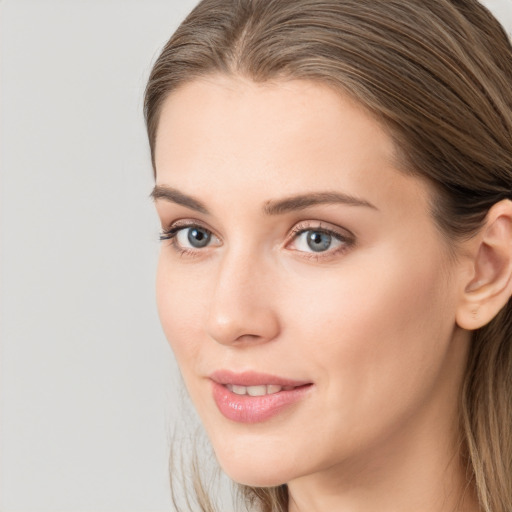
x=252, y=378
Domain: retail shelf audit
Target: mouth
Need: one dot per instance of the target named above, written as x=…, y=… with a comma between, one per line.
x=254, y=397
x=265, y=389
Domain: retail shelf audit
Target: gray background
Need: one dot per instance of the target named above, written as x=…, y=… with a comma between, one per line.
x=88, y=386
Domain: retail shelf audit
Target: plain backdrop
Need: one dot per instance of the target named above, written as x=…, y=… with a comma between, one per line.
x=88, y=387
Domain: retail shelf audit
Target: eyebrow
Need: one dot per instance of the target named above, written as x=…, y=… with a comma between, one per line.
x=175, y=196
x=301, y=202
x=272, y=207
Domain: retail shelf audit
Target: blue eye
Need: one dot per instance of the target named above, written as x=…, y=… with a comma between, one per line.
x=317, y=240
x=195, y=237
x=190, y=237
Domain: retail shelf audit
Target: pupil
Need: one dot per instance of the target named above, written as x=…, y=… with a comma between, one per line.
x=318, y=241
x=198, y=237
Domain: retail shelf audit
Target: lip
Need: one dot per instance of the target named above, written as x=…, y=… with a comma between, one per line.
x=255, y=409
x=251, y=378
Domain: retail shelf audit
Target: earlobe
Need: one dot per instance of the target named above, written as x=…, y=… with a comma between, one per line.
x=490, y=286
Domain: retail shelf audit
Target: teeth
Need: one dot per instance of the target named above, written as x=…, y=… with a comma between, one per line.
x=269, y=389
x=256, y=390
x=239, y=390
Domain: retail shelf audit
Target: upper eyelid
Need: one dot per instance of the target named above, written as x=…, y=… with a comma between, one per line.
x=303, y=226
x=188, y=223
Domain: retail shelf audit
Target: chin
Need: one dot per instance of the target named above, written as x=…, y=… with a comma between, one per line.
x=254, y=472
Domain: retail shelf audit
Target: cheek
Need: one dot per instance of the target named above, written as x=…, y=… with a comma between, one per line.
x=376, y=334
x=377, y=293
x=180, y=308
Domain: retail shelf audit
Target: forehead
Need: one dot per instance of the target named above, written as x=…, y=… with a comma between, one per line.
x=229, y=135
x=217, y=107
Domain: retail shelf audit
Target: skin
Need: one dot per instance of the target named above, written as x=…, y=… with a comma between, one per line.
x=371, y=321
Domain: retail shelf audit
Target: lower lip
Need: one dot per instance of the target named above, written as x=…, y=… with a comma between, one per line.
x=255, y=409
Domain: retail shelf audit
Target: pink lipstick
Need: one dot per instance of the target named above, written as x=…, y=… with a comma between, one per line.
x=251, y=397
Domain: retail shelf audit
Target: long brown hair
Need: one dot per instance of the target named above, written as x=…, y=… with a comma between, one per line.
x=438, y=75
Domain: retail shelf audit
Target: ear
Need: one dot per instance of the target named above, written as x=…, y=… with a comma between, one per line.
x=490, y=284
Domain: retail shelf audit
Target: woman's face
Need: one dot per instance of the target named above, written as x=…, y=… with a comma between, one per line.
x=306, y=292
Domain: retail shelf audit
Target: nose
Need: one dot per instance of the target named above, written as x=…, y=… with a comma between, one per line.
x=242, y=304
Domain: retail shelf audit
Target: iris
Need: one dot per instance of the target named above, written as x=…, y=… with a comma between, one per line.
x=198, y=237
x=318, y=241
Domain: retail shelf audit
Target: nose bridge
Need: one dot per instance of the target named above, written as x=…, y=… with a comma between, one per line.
x=241, y=307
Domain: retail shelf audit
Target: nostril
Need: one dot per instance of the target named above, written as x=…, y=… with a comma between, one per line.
x=248, y=337
x=244, y=329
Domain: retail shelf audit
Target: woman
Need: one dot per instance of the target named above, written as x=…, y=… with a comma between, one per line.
x=334, y=182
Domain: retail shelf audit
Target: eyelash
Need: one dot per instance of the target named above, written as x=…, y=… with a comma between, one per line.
x=347, y=240
x=171, y=233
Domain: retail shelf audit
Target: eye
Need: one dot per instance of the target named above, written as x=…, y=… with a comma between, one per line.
x=319, y=241
x=195, y=237
x=316, y=241
x=190, y=237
